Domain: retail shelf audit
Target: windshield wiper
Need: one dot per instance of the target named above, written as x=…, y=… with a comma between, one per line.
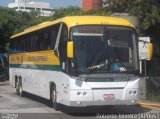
x=95, y=67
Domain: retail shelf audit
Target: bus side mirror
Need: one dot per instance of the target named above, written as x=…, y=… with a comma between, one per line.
x=70, y=47
x=150, y=50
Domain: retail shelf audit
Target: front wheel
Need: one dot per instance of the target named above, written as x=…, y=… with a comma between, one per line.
x=54, y=99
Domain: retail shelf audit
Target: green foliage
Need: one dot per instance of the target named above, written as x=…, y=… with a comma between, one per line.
x=71, y=11
x=101, y=12
x=147, y=10
x=6, y=26
x=75, y=11
x=12, y=21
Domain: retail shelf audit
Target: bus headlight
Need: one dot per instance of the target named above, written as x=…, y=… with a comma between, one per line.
x=130, y=92
x=84, y=93
x=81, y=93
x=134, y=92
x=78, y=93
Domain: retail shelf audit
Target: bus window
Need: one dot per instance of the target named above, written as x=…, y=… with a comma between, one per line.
x=20, y=45
x=46, y=38
x=54, y=33
x=34, y=43
x=43, y=38
x=53, y=38
x=28, y=43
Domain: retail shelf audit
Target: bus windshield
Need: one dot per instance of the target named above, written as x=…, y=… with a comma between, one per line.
x=105, y=49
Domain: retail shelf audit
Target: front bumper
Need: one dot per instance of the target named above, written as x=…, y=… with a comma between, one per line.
x=102, y=103
x=95, y=98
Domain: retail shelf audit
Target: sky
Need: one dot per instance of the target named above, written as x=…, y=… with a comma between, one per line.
x=53, y=3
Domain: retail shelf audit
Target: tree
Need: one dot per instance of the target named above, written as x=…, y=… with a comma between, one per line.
x=70, y=11
x=12, y=22
x=6, y=26
x=147, y=10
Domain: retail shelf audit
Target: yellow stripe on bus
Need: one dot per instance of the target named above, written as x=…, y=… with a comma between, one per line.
x=41, y=57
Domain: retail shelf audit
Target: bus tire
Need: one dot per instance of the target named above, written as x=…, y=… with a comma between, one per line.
x=17, y=83
x=20, y=90
x=54, y=98
x=17, y=87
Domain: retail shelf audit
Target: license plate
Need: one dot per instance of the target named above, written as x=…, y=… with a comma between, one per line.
x=109, y=96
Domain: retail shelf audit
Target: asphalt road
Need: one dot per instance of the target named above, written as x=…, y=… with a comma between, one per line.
x=13, y=106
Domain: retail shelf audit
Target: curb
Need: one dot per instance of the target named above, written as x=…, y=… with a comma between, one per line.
x=149, y=104
x=5, y=82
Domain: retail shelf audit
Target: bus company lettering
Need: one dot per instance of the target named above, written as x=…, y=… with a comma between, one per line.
x=37, y=58
x=12, y=59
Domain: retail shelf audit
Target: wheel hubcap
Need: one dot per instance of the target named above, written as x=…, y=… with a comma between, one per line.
x=54, y=96
x=20, y=89
x=17, y=85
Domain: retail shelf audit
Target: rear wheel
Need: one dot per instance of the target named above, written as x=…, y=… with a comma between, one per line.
x=19, y=89
x=17, y=83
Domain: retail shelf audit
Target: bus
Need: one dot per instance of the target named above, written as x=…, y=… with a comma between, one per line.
x=77, y=61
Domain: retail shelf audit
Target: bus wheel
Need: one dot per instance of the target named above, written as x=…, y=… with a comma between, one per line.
x=17, y=86
x=20, y=91
x=54, y=99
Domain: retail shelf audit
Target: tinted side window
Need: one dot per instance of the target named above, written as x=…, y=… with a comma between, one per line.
x=54, y=33
x=45, y=40
x=53, y=38
x=34, y=42
x=40, y=40
x=47, y=37
x=28, y=43
x=20, y=45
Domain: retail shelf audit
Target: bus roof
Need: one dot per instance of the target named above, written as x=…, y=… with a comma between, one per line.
x=79, y=20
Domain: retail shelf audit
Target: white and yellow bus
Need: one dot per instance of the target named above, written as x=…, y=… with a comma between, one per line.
x=77, y=61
